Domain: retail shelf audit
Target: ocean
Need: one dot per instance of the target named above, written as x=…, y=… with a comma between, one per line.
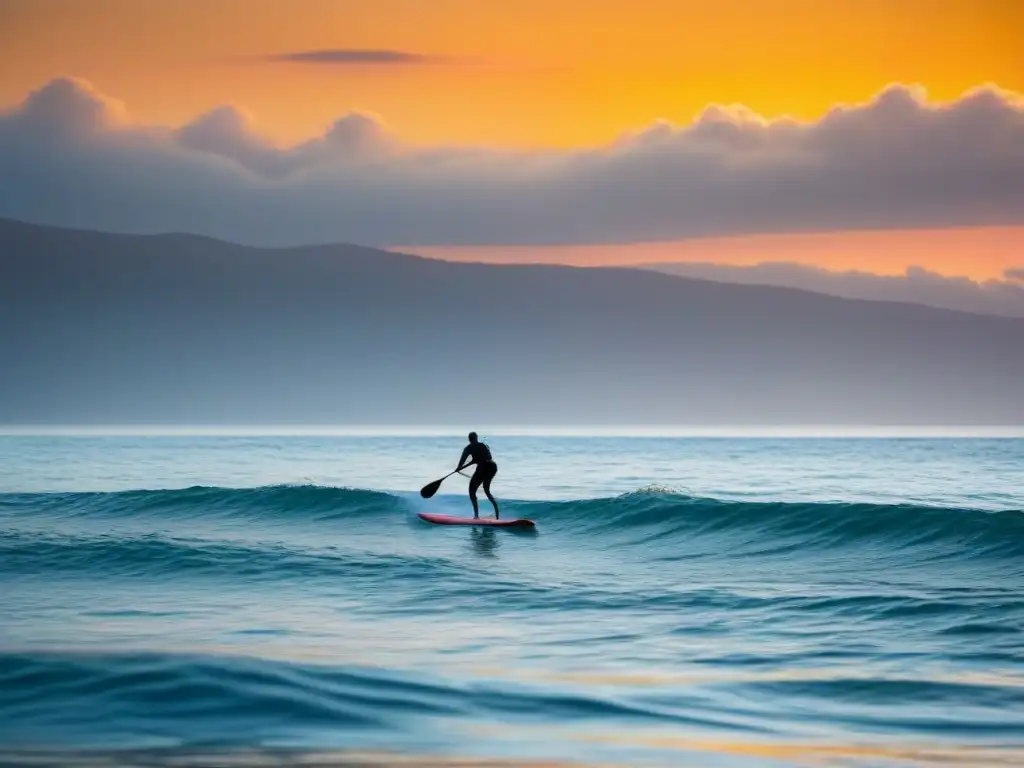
x=272, y=599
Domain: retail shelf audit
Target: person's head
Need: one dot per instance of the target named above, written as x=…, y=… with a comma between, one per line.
x=472, y=437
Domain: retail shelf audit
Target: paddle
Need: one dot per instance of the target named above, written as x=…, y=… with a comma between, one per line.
x=430, y=489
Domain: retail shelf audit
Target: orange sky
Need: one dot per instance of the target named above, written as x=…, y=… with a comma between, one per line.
x=558, y=73
x=523, y=72
x=980, y=253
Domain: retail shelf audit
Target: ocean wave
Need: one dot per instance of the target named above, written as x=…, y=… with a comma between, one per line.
x=201, y=699
x=79, y=701
x=645, y=517
x=427, y=583
x=156, y=555
x=280, y=502
x=780, y=528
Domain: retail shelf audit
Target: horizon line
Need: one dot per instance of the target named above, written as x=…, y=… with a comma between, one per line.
x=540, y=430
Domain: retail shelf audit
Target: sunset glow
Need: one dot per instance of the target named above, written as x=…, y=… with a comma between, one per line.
x=982, y=253
x=551, y=75
x=518, y=73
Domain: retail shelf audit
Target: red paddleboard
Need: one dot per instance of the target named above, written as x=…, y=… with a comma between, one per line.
x=518, y=522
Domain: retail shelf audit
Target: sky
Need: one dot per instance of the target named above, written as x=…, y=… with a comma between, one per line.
x=839, y=134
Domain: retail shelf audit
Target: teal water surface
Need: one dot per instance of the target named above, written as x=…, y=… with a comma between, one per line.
x=682, y=601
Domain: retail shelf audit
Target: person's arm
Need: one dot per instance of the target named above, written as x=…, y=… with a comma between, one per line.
x=462, y=459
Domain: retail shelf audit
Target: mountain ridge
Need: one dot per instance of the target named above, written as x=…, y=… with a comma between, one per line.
x=664, y=269
x=101, y=327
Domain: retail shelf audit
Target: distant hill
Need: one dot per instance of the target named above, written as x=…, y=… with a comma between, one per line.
x=103, y=328
x=916, y=285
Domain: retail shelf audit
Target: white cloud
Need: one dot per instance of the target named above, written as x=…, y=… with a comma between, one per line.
x=71, y=157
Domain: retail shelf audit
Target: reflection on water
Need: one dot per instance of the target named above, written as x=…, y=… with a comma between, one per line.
x=820, y=755
x=685, y=752
x=261, y=758
x=485, y=541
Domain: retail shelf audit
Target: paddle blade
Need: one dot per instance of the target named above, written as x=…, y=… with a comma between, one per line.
x=430, y=489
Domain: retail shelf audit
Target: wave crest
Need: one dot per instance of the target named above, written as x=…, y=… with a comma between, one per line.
x=648, y=515
x=651, y=514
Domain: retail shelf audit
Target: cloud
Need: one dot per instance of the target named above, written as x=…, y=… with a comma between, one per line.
x=225, y=132
x=71, y=156
x=1016, y=273
x=916, y=285
x=67, y=106
x=343, y=56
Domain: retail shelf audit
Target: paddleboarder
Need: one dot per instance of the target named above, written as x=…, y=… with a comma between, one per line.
x=485, y=471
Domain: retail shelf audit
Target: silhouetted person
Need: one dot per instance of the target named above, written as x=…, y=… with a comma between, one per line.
x=485, y=471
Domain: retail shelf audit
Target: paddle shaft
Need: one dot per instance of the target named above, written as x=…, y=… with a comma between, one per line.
x=459, y=471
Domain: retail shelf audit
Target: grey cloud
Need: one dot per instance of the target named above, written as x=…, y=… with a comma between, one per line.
x=1015, y=273
x=341, y=56
x=917, y=285
x=224, y=132
x=72, y=158
x=66, y=106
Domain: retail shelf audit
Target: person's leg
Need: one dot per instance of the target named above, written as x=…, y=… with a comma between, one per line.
x=487, y=490
x=474, y=483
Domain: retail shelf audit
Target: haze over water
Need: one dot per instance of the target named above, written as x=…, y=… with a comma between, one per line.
x=684, y=600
